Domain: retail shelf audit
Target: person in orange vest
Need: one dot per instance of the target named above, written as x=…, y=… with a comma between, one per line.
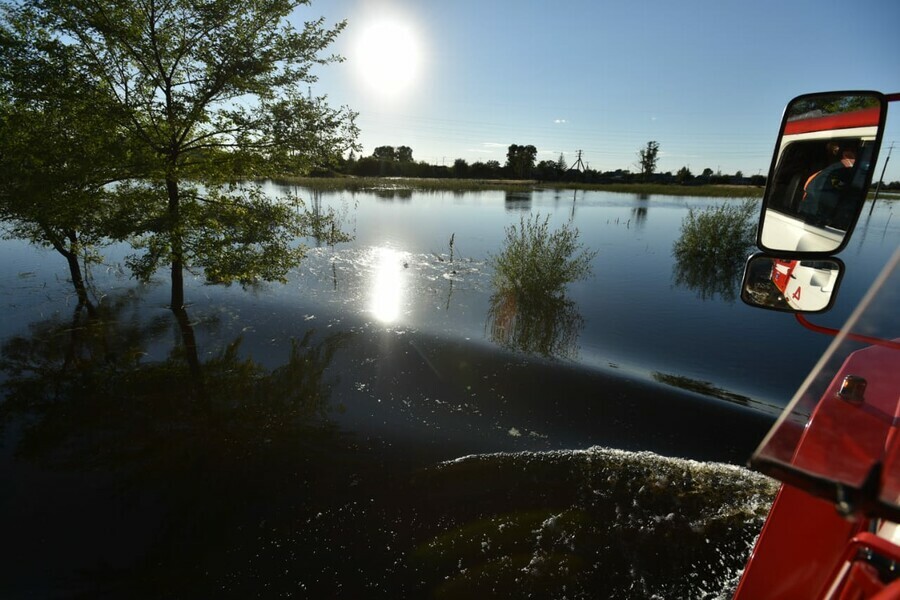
x=824, y=189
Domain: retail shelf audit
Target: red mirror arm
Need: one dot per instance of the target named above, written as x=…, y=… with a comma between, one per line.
x=853, y=336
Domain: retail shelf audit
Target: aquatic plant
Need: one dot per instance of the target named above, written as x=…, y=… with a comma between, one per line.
x=713, y=246
x=717, y=232
x=538, y=263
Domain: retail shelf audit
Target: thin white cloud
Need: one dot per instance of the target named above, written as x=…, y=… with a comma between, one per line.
x=493, y=145
x=560, y=121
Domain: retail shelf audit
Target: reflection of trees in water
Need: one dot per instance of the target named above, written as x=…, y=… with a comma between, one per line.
x=206, y=453
x=639, y=216
x=707, y=388
x=60, y=360
x=88, y=388
x=404, y=194
x=711, y=250
x=709, y=280
x=517, y=200
x=548, y=326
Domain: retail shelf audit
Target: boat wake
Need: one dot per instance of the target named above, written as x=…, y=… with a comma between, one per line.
x=596, y=523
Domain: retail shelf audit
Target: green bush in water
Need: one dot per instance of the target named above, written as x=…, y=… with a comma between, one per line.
x=537, y=263
x=712, y=248
x=717, y=234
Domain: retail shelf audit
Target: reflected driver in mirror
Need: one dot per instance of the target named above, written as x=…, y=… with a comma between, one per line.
x=825, y=190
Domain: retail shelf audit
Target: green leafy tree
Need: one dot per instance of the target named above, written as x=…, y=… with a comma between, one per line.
x=546, y=170
x=58, y=154
x=520, y=160
x=561, y=164
x=684, y=175
x=404, y=154
x=209, y=93
x=648, y=158
x=460, y=168
x=385, y=153
x=486, y=170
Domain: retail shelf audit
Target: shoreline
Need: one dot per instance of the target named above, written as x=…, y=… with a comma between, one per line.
x=474, y=185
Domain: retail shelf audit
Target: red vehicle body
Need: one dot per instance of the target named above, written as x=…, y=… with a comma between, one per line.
x=804, y=286
x=781, y=273
x=807, y=548
x=833, y=530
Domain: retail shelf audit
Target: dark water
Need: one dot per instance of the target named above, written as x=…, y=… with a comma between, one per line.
x=308, y=442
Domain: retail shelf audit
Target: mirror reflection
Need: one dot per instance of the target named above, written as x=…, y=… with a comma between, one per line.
x=791, y=285
x=823, y=166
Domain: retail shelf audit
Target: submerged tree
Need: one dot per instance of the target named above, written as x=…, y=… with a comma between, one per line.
x=58, y=153
x=209, y=93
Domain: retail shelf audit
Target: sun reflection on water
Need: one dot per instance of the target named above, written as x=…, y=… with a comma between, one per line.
x=388, y=284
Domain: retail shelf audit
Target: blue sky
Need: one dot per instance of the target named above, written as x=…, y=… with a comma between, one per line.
x=706, y=79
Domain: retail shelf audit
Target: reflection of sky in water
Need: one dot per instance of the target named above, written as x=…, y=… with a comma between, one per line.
x=397, y=272
x=637, y=319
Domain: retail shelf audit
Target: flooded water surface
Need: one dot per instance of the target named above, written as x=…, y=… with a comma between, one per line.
x=391, y=423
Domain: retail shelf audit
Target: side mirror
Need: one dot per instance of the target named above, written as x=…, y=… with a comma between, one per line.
x=821, y=171
x=791, y=285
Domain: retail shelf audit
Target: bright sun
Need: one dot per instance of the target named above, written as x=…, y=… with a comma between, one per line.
x=388, y=56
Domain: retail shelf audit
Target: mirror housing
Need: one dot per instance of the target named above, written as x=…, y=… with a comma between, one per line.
x=821, y=172
x=791, y=285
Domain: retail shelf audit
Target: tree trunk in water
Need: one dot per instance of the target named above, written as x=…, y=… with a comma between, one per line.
x=77, y=278
x=71, y=257
x=177, y=277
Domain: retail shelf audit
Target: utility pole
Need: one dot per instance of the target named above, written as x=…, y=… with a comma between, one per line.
x=878, y=185
x=579, y=165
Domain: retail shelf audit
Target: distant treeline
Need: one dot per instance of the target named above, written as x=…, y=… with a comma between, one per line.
x=521, y=164
x=388, y=161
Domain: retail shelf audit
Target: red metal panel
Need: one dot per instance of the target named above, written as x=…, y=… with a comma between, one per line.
x=868, y=117
x=801, y=542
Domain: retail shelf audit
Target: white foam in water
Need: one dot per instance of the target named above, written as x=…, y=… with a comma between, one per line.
x=640, y=524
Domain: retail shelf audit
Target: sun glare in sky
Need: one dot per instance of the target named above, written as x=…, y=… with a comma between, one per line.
x=388, y=56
